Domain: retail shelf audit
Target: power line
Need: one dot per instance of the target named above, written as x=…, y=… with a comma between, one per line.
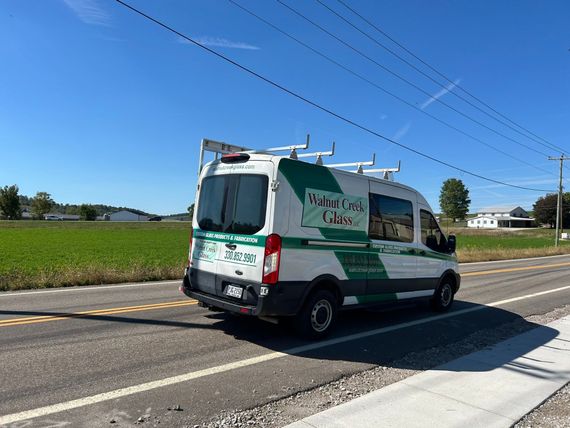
x=388, y=70
x=370, y=82
x=533, y=137
x=316, y=105
x=440, y=73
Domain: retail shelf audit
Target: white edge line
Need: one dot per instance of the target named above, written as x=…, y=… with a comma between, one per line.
x=91, y=287
x=118, y=393
x=467, y=264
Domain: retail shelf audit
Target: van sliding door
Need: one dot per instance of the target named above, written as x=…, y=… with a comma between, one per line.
x=392, y=266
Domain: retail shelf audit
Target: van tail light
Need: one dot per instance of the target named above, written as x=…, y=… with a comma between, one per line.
x=271, y=260
x=190, y=249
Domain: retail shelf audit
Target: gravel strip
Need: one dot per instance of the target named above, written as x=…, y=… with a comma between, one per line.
x=553, y=413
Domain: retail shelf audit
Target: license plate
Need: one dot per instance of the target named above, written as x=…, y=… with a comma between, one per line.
x=234, y=291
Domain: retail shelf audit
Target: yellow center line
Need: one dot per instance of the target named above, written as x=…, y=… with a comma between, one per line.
x=516, y=269
x=95, y=313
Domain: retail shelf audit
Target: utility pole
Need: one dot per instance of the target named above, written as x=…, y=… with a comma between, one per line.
x=559, y=203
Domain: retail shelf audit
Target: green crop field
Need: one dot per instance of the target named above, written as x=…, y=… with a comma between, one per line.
x=53, y=254
x=49, y=254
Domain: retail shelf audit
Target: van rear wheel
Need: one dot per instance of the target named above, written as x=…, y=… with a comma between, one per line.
x=318, y=315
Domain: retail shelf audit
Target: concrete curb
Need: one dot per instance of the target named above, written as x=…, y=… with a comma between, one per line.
x=495, y=387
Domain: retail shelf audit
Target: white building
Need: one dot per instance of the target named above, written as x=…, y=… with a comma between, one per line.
x=494, y=217
x=125, y=215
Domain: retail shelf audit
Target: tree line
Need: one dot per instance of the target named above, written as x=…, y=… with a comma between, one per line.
x=12, y=204
x=453, y=199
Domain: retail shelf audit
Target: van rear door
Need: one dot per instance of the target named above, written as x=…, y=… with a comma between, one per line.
x=241, y=255
x=231, y=224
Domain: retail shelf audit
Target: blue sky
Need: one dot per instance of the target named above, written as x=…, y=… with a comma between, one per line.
x=97, y=105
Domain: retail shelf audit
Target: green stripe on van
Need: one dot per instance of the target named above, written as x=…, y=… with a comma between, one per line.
x=375, y=248
x=298, y=244
x=252, y=240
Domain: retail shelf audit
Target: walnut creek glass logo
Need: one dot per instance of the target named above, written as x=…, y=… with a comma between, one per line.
x=334, y=210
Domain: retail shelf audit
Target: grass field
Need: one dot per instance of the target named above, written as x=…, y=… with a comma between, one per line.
x=35, y=254
x=50, y=254
x=475, y=245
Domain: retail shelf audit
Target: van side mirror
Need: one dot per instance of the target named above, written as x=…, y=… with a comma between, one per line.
x=451, y=243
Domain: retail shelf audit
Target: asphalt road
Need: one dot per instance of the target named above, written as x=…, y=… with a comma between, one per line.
x=89, y=355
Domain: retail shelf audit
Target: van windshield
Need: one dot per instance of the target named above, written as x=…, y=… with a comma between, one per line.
x=233, y=203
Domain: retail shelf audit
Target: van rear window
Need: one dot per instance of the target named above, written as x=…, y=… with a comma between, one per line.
x=233, y=203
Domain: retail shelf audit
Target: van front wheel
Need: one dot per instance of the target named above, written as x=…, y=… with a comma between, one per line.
x=318, y=315
x=443, y=296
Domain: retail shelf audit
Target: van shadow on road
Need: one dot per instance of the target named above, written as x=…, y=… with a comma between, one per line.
x=416, y=347
x=438, y=337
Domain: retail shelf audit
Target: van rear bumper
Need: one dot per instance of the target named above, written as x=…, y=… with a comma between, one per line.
x=283, y=299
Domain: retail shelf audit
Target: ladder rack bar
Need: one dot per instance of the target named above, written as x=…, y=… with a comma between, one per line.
x=358, y=164
x=397, y=169
x=318, y=155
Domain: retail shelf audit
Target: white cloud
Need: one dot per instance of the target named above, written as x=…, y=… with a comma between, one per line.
x=220, y=42
x=89, y=11
x=440, y=94
x=400, y=133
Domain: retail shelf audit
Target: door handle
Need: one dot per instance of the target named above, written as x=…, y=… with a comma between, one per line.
x=231, y=246
x=411, y=251
x=422, y=253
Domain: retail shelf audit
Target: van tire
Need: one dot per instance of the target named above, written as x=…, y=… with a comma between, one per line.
x=318, y=315
x=443, y=296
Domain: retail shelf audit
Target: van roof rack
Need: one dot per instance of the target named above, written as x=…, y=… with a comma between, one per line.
x=358, y=165
x=218, y=147
x=387, y=173
x=221, y=148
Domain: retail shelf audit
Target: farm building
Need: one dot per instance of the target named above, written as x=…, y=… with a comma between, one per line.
x=494, y=217
x=125, y=215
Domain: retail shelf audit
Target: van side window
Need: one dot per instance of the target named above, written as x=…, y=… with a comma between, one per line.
x=432, y=236
x=391, y=219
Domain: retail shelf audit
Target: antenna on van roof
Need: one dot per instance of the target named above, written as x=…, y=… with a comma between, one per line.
x=387, y=173
x=359, y=165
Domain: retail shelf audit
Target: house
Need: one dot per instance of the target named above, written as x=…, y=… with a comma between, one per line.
x=125, y=215
x=494, y=217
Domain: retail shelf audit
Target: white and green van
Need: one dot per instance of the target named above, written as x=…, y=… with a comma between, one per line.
x=276, y=237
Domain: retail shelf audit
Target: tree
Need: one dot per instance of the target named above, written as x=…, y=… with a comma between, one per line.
x=191, y=211
x=10, y=203
x=454, y=199
x=87, y=212
x=545, y=209
x=42, y=204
